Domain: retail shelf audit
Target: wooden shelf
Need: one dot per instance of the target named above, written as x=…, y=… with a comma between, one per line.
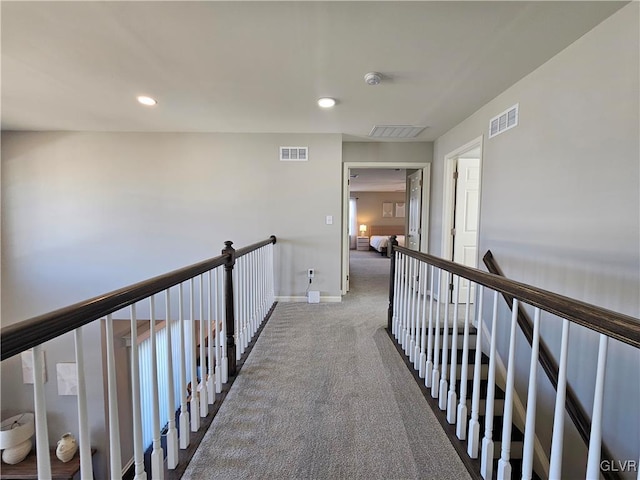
x=28, y=468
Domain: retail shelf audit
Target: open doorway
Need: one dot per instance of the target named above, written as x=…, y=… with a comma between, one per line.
x=461, y=213
x=382, y=207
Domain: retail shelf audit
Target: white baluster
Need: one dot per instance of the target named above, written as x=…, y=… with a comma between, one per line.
x=486, y=463
x=429, y=365
x=435, y=373
x=396, y=285
x=417, y=284
x=194, y=404
x=238, y=275
x=247, y=301
x=157, y=454
x=263, y=284
x=557, y=439
x=224, y=363
x=530, y=423
x=244, y=296
x=218, y=330
x=115, y=457
x=412, y=312
x=595, y=438
x=42, y=432
x=138, y=449
x=236, y=309
x=461, y=424
x=183, y=419
x=86, y=467
x=422, y=362
x=202, y=386
x=407, y=290
x=211, y=389
x=254, y=293
x=442, y=394
x=172, y=433
x=474, y=423
x=403, y=302
x=452, y=398
x=399, y=299
x=504, y=465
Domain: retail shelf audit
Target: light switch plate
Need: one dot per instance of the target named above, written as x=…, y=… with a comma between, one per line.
x=329, y=220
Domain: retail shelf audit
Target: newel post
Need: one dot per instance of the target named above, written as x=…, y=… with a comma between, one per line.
x=392, y=278
x=228, y=300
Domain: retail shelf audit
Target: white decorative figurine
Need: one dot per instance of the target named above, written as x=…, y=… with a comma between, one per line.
x=15, y=437
x=67, y=447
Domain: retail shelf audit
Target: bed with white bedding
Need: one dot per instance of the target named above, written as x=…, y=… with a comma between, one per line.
x=379, y=238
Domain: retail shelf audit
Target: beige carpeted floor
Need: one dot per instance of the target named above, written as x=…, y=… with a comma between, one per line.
x=325, y=395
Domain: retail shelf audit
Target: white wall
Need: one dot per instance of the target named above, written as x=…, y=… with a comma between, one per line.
x=370, y=208
x=560, y=205
x=379, y=152
x=86, y=213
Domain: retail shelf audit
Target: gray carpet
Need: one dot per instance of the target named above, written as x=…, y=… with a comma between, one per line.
x=325, y=395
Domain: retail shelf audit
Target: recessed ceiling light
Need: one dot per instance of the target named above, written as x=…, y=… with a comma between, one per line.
x=148, y=101
x=326, y=102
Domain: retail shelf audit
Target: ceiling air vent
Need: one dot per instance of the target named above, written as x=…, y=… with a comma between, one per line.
x=294, y=154
x=395, y=131
x=503, y=122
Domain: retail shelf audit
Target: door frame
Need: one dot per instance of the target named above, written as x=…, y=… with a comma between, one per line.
x=449, y=201
x=426, y=184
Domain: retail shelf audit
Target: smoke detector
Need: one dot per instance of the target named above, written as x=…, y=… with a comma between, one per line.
x=373, y=78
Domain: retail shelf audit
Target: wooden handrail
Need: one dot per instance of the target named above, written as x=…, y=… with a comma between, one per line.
x=573, y=406
x=23, y=335
x=616, y=325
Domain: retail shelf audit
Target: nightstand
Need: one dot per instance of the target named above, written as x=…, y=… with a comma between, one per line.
x=362, y=243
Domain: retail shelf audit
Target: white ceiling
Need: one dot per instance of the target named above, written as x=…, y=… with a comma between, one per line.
x=260, y=66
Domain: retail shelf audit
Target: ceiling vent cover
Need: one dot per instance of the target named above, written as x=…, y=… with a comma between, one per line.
x=395, y=131
x=294, y=154
x=503, y=122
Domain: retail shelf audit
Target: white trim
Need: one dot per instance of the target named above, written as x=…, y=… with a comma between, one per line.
x=303, y=299
x=426, y=184
x=448, y=202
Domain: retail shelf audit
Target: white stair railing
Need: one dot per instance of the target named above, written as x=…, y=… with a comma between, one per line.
x=428, y=373
x=183, y=421
x=453, y=374
x=162, y=358
x=530, y=423
x=486, y=463
x=442, y=392
x=422, y=361
x=86, y=468
x=115, y=456
x=461, y=423
x=504, y=466
x=474, y=423
x=431, y=343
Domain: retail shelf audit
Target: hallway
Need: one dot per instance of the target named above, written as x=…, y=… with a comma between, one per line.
x=324, y=394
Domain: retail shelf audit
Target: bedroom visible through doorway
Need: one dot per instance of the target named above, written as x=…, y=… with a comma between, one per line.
x=377, y=206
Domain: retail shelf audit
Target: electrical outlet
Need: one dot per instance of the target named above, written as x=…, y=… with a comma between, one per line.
x=311, y=272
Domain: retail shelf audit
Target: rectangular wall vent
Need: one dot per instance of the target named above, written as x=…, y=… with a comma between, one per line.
x=503, y=122
x=294, y=154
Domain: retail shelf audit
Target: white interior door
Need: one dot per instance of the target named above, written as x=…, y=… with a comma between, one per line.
x=465, y=238
x=415, y=210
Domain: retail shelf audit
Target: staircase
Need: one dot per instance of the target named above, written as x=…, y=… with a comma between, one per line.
x=461, y=444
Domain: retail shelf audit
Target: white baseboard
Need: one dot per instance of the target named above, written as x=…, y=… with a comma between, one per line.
x=303, y=299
